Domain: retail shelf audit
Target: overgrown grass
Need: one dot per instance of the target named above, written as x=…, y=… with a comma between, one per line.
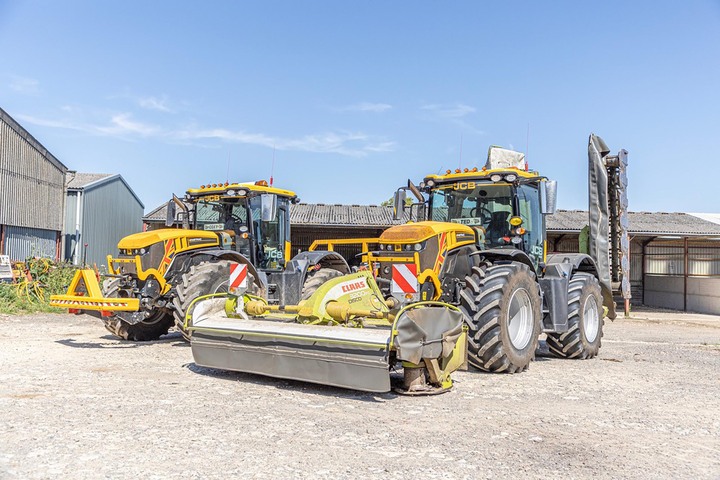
x=32, y=295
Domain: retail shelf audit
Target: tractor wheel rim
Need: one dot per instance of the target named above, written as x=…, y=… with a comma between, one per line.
x=591, y=318
x=520, y=319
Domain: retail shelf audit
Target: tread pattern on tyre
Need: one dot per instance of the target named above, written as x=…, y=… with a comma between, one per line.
x=572, y=344
x=151, y=329
x=201, y=279
x=481, y=302
x=313, y=282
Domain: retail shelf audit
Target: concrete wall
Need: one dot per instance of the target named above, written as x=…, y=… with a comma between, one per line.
x=665, y=291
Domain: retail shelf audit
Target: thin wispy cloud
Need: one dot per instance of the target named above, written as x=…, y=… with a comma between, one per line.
x=455, y=113
x=457, y=110
x=154, y=103
x=368, y=107
x=344, y=143
x=120, y=125
x=24, y=85
x=125, y=126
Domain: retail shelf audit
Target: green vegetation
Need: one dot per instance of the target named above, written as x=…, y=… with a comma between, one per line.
x=31, y=293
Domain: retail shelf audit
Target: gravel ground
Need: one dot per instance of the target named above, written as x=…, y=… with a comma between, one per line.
x=77, y=403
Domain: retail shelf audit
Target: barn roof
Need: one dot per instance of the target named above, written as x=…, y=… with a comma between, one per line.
x=569, y=221
x=87, y=181
x=82, y=180
x=640, y=223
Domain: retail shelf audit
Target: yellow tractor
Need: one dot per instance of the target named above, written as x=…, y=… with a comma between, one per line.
x=483, y=248
x=157, y=274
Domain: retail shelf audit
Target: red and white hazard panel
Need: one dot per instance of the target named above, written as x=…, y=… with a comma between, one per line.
x=238, y=276
x=404, y=278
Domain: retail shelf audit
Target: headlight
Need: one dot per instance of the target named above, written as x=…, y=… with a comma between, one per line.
x=418, y=247
x=230, y=192
x=381, y=247
x=495, y=177
x=408, y=248
x=430, y=183
x=143, y=251
x=511, y=177
x=242, y=193
x=386, y=270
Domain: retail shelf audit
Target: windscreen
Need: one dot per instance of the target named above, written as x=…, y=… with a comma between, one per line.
x=485, y=207
x=217, y=213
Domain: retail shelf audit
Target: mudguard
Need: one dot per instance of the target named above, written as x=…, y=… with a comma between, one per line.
x=304, y=260
x=234, y=256
x=510, y=254
x=584, y=263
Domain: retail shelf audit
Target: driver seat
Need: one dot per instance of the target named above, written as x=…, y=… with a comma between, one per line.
x=498, y=227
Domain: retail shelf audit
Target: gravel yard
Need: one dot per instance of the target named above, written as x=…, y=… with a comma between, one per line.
x=77, y=403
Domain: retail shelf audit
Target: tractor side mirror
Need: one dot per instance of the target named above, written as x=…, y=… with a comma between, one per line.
x=171, y=211
x=399, y=205
x=548, y=196
x=172, y=214
x=268, y=207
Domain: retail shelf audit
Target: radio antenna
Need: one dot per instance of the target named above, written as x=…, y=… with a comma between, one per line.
x=272, y=168
x=460, y=163
x=527, y=144
x=227, y=175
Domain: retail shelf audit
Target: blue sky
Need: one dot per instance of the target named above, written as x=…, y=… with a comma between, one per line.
x=355, y=97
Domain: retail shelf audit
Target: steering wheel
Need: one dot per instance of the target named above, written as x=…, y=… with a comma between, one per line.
x=485, y=214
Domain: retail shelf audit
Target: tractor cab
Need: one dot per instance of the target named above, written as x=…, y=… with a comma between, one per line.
x=251, y=218
x=504, y=203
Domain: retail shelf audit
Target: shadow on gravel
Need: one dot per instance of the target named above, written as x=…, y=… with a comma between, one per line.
x=116, y=343
x=542, y=353
x=298, y=386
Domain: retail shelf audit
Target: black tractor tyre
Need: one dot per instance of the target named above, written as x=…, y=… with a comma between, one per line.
x=585, y=320
x=152, y=328
x=202, y=279
x=502, y=308
x=316, y=279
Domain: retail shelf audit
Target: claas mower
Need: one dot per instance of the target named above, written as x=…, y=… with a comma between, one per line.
x=157, y=274
x=482, y=247
x=346, y=334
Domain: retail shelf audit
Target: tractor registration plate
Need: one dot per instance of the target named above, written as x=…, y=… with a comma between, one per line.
x=214, y=226
x=468, y=221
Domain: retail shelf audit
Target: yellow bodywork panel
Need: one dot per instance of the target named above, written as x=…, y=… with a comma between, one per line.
x=417, y=232
x=93, y=298
x=145, y=239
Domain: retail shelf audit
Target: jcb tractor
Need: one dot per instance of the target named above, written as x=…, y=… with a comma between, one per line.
x=157, y=274
x=483, y=249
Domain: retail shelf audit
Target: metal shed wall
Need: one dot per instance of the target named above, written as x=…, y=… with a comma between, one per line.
x=21, y=243
x=108, y=212
x=683, y=276
x=31, y=181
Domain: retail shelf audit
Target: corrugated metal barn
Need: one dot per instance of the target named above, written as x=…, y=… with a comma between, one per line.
x=31, y=194
x=101, y=209
x=674, y=257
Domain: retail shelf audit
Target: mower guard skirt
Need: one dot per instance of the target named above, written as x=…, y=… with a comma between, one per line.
x=355, y=358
